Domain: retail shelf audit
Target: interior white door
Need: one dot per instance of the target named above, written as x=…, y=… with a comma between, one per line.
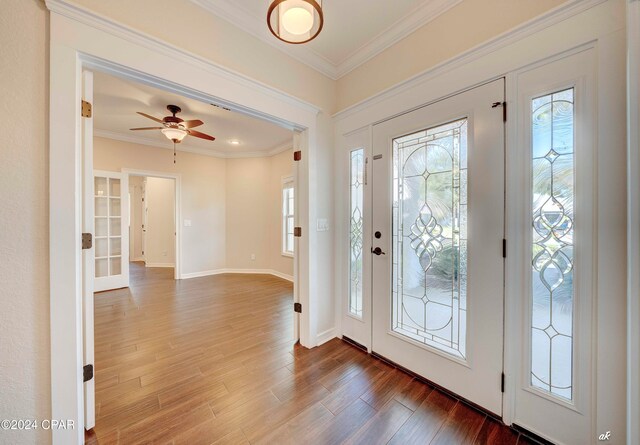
x=88, y=254
x=556, y=122
x=110, y=194
x=438, y=225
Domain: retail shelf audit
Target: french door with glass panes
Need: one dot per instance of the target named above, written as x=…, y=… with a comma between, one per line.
x=438, y=228
x=111, y=213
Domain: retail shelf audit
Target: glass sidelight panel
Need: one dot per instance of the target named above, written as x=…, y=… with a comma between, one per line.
x=356, y=232
x=552, y=248
x=429, y=271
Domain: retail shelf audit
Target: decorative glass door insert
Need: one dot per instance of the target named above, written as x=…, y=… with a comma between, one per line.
x=552, y=248
x=429, y=270
x=356, y=232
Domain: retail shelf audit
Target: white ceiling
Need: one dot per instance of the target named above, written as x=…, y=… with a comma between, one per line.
x=116, y=102
x=354, y=30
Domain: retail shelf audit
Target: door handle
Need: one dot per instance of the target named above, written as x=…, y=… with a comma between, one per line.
x=377, y=251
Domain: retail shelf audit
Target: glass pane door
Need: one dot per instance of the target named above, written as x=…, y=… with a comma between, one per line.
x=109, y=222
x=429, y=237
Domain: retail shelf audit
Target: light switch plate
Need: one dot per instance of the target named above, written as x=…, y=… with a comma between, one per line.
x=187, y=223
x=322, y=225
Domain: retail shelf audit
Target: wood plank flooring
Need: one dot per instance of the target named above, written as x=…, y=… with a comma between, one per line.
x=211, y=361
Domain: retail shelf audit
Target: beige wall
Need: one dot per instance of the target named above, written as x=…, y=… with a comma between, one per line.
x=254, y=187
x=463, y=27
x=160, y=240
x=281, y=166
x=203, y=195
x=247, y=207
x=24, y=219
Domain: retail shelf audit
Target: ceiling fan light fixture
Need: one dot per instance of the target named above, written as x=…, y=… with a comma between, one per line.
x=174, y=134
x=295, y=21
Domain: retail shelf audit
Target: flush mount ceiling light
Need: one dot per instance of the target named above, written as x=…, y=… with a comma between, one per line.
x=234, y=142
x=295, y=21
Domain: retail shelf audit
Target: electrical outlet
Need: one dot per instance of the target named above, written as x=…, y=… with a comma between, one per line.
x=187, y=223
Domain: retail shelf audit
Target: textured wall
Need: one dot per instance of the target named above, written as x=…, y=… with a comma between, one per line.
x=24, y=218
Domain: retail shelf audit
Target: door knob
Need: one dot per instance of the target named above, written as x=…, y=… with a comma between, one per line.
x=377, y=251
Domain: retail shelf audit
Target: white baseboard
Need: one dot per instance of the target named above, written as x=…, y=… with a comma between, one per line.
x=282, y=275
x=206, y=273
x=160, y=265
x=137, y=259
x=325, y=336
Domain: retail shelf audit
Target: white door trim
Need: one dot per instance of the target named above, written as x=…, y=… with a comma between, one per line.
x=177, y=177
x=79, y=38
x=633, y=221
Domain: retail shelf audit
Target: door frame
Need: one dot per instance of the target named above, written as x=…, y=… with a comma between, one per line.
x=177, y=204
x=543, y=38
x=81, y=39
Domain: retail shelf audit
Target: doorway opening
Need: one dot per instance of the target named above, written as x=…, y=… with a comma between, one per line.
x=202, y=234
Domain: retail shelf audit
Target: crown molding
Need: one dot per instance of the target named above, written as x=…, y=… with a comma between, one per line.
x=87, y=17
x=108, y=134
x=550, y=18
x=234, y=13
x=238, y=16
x=402, y=28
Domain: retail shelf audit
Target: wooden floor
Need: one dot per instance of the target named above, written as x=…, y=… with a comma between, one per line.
x=211, y=361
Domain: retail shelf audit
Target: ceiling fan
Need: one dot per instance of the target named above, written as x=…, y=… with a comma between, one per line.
x=174, y=128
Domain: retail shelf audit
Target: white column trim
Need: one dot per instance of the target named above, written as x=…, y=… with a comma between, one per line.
x=633, y=221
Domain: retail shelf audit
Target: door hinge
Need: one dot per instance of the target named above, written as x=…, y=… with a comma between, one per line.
x=87, y=241
x=86, y=109
x=366, y=168
x=504, y=109
x=297, y=155
x=502, y=382
x=297, y=232
x=297, y=307
x=87, y=373
x=504, y=248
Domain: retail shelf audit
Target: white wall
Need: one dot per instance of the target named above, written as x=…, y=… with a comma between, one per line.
x=136, y=193
x=160, y=239
x=25, y=357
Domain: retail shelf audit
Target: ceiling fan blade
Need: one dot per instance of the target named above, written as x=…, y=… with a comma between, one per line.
x=146, y=128
x=192, y=123
x=150, y=117
x=201, y=135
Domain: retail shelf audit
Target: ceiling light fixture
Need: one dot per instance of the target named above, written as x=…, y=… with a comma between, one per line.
x=174, y=134
x=234, y=142
x=295, y=21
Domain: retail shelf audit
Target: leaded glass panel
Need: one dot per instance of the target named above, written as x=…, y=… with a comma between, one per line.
x=552, y=248
x=429, y=275
x=356, y=231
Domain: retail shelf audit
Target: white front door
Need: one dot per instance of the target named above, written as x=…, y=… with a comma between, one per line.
x=437, y=256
